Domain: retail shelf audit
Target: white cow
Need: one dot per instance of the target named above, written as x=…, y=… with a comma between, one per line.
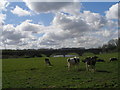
x=73, y=62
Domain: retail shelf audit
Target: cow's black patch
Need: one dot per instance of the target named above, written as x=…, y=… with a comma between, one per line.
x=68, y=60
x=113, y=59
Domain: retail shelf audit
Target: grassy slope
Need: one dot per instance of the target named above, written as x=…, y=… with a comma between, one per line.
x=32, y=72
x=0, y=73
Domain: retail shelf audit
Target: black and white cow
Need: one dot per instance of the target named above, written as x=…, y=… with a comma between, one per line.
x=47, y=61
x=73, y=62
x=113, y=59
x=90, y=63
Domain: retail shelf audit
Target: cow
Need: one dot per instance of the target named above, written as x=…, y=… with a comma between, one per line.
x=47, y=61
x=86, y=59
x=90, y=63
x=100, y=60
x=113, y=59
x=73, y=62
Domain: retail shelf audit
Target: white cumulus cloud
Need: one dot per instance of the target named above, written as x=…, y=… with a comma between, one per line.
x=69, y=28
x=113, y=12
x=2, y=18
x=3, y=4
x=95, y=20
x=20, y=12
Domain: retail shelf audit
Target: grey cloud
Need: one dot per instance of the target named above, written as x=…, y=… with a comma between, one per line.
x=71, y=23
x=11, y=36
x=45, y=6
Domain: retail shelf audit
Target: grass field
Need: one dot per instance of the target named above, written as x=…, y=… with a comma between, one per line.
x=33, y=73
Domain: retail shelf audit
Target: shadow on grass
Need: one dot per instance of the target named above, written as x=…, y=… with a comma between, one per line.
x=31, y=69
x=103, y=71
x=81, y=69
x=34, y=69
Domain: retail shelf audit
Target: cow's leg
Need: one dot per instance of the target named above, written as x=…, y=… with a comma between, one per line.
x=50, y=64
x=46, y=64
x=93, y=68
x=75, y=66
x=69, y=66
x=78, y=66
x=87, y=67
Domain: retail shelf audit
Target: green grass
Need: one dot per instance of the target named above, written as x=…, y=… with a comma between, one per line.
x=0, y=73
x=33, y=73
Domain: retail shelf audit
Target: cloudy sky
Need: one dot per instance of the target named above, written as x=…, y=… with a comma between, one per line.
x=34, y=25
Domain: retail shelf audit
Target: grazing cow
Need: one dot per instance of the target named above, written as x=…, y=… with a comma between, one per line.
x=100, y=60
x=47, y=61
x=73, y=62
x=90, y=63
x=113, y=59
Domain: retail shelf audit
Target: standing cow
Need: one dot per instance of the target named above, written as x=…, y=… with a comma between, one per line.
x=73, y=62
x=47, y=61
x=90, y=63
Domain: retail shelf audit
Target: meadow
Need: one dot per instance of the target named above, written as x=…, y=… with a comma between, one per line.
x=33, y=73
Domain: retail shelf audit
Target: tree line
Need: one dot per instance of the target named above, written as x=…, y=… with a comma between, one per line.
x=110, y=46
